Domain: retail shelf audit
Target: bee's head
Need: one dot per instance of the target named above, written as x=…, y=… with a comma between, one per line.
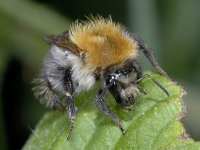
x=121, y=81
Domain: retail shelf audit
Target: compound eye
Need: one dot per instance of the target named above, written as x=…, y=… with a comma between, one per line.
x=124, y=72
x=117, y=71
x=127, y=71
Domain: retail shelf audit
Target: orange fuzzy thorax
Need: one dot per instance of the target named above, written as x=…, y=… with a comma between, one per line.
x=103, y=42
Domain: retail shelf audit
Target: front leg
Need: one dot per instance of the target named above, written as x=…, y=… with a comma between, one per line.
x=150, y=56
x=70, y=108
x=71, y=112
x=100, y=103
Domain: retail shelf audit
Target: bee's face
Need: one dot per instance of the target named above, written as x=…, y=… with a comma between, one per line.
x=126, y=75
x=124, y=89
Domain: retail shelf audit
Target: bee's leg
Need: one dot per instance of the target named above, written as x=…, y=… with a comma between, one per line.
x=70, y=108
x=149, y=54
x=100, y=103
x=71, y=112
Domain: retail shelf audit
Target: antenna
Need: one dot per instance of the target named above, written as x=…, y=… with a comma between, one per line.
x=155, y=81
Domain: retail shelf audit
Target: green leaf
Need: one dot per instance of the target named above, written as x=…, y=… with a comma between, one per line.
x=154, y=123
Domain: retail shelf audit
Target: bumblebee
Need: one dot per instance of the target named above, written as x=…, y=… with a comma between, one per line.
x=92, y=50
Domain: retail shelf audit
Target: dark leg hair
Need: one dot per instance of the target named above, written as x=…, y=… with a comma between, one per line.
x=100, y=103
x=149, y=54
x=71, y=111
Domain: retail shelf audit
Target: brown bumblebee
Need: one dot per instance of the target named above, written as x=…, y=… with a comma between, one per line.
x=95, y=49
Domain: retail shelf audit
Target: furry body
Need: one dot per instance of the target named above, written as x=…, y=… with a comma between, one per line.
x=96, y=49
x=83, y=79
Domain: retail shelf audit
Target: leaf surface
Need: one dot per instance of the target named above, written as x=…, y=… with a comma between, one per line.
x=153, y=124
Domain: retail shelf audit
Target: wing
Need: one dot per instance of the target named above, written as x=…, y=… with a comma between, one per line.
x=63, y=41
